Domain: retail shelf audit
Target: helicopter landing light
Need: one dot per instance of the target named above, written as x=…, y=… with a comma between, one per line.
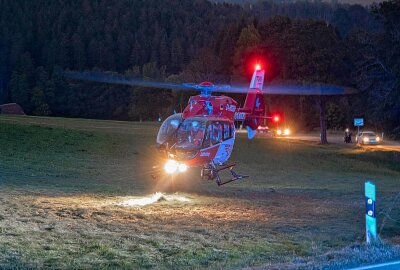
x=182, y=167
x=172, y=167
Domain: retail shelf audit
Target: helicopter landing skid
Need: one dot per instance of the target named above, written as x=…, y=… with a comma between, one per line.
x=211, y=172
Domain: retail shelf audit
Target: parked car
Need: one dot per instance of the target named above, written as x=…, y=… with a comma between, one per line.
x=368, y=137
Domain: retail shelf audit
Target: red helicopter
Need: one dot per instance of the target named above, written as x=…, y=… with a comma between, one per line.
x=203, y=135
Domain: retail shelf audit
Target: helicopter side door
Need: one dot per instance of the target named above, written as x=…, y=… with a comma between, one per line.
x=207, y=136
x=224, y=136
x=216, y=132
x=217, y=144
x=210, y=145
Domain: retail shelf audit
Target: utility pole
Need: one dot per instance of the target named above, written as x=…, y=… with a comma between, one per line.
x=322, y=119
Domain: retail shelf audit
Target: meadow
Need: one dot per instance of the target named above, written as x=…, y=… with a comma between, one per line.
x=67, y=187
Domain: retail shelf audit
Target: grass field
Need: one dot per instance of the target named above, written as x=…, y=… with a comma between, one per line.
x=66, y=184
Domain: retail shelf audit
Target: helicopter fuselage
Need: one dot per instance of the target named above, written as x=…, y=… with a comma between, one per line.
x=202, y=134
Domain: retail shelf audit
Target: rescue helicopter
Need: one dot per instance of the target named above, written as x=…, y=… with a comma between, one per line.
x=203, y=134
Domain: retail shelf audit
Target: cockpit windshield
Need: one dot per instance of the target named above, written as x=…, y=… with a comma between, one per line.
x=169, y=127
x=190, y=134
x=179, y=133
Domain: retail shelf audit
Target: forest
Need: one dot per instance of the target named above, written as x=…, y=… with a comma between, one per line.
x=198, y=40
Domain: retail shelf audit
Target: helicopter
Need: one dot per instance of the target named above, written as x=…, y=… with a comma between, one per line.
x=203, y=134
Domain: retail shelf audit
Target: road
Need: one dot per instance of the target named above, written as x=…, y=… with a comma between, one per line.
x=382, y=266
x=386, y=145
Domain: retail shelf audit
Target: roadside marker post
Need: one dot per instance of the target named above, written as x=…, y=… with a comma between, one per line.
x=370, y=214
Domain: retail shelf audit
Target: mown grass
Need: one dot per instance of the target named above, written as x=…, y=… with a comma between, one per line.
x=303, y=165
x=61, y=180
x=47, y=157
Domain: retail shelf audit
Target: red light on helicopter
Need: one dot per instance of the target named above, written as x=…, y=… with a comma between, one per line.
x=276, y=118
x=206, y=84
x=257, y=67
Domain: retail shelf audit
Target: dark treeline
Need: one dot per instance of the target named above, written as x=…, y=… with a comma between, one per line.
x=344, y=17
x=182, y=40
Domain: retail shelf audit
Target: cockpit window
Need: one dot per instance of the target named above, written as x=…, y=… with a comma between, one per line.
x=207, y=137
x=169, y=127
x=227, y=131
x=216, y=133
x=190, y=134
x=178, y=133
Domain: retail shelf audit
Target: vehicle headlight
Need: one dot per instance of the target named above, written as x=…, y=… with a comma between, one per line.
x=366, y=139
x=378, y=139
x=171, y=166
x=279, y=132
x=287, y=131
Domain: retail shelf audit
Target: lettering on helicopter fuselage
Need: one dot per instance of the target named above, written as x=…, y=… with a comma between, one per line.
x=240, y=116
x=205, y=154
x=230, y=108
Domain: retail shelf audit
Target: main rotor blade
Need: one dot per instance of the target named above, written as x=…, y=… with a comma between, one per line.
x=119, y=79
x=276, y=88
x=293, y=89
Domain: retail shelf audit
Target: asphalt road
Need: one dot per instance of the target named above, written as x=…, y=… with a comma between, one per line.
x=386, y=145
x=382, y=266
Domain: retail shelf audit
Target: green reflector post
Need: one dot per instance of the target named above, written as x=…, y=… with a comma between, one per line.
x=370, y=215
